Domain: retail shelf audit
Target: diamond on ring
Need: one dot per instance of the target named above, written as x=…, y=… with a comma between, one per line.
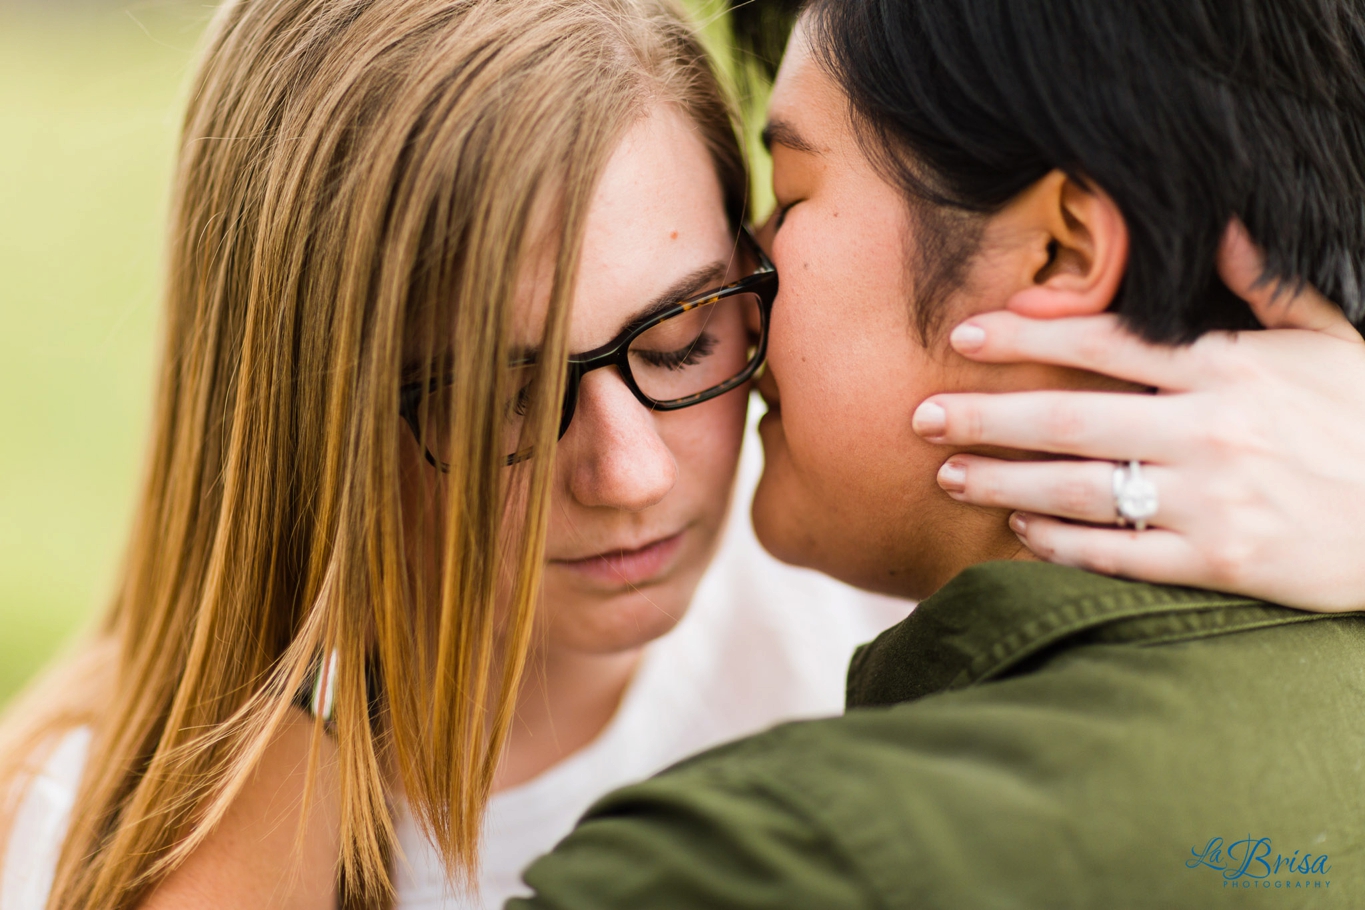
x=1135, y=496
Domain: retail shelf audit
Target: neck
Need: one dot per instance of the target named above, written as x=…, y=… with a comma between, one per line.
x=566, y=701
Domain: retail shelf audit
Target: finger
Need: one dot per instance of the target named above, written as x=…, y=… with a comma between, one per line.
x=1076, y=490
x=1278, y=305
x=1098, y=344
x=1117, y=426
x=1157, y=556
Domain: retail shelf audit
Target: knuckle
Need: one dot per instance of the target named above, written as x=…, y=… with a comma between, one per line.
x=1100, y=557
x=994, y=489
x=1040, y=540
x=1245, y=365
x=1004, y=337
x=1095, y=348
x=1075, y=497
x=1063, y=423
x=1230, y=499
x=1228, y=560
x=966, y=423
x=1230, y=359
x=986, y=487
x=1231, y=431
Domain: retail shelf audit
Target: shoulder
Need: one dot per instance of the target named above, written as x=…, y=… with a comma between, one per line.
x=278, y=843
x=1089, y=784
x=806, y=815
x=720, y=830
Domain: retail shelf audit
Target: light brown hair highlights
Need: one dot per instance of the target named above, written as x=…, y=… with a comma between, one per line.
x=359, y=186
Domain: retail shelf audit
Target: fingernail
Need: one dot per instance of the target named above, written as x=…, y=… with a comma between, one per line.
x=1019, y=523
x=967, y=338
x=930, y=420
x=953, y=477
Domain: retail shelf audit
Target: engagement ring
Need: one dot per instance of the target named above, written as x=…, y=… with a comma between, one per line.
x=1135, y=498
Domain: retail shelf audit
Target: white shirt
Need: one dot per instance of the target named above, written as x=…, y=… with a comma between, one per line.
x=40, y=825
x=761, y=643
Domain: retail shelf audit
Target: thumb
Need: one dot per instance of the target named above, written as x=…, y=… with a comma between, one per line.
x=1241, y=265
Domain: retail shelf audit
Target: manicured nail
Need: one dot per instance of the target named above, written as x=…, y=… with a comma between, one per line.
x=953, y=477
x=1019, y=523
x=967, y=338
x=930, y=420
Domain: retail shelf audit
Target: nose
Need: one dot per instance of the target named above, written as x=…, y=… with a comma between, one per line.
x=619, y=461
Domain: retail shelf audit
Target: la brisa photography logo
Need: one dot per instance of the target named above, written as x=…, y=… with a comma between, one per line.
x=1253, y=862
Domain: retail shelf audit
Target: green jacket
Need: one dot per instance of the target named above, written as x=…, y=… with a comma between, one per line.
x=1031, y=736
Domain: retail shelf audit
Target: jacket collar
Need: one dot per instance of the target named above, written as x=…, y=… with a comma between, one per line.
x=994, y=619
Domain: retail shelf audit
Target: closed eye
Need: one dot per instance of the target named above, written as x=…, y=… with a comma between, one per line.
x=694, y=353
x=780, y=217
x=521, y=403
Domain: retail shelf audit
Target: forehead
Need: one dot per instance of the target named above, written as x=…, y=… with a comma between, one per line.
x=808, y=112
x=657, y=216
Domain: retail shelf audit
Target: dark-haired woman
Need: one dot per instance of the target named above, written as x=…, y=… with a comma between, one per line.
x=1033, y=735
x=1253, y=439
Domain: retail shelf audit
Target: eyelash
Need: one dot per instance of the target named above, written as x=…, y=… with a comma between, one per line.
x=781, y=217
x=691, y=355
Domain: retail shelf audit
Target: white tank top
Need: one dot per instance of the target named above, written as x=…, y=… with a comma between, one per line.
x=40, y=826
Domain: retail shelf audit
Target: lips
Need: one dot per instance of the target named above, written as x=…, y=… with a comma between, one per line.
x=626, y=567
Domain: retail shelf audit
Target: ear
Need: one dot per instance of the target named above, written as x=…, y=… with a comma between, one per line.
x=1079, y=245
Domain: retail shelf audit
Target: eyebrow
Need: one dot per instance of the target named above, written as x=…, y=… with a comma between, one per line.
x=782, y=132
x=685, y=288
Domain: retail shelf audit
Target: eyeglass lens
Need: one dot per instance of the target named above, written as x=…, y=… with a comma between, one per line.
x=681, y=358
x=695, y=351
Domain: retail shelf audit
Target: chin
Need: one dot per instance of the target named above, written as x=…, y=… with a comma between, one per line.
x=795, y=529
x=613, y=625
x=776, y=528
x=835, y=522
x=790, y=522
x=776, y=525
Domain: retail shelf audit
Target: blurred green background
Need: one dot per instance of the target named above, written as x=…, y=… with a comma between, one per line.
x=90, y=95
x=88, y=112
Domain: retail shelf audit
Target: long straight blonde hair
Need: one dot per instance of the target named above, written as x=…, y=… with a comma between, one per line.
x=360, y=185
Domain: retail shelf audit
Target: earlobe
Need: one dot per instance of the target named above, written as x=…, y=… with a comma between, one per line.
x=1088, y=253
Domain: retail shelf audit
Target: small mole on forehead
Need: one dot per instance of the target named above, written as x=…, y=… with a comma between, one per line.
x=673, y=236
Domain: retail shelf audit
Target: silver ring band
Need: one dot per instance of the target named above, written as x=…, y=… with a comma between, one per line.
x=1135, y=497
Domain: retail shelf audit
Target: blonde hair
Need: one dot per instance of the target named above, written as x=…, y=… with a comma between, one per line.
x=359, y=188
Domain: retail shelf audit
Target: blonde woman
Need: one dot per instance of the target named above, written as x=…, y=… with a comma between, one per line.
x=383, y=209
x=354, y=505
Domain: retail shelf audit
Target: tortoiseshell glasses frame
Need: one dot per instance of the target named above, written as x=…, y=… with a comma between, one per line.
x=762, y=284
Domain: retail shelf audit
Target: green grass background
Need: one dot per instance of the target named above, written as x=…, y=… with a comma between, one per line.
x=90, y=96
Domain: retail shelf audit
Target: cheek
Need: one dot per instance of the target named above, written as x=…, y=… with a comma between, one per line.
x=705, y=441
x=847, y=370
x=846, y=418
x=845, y=470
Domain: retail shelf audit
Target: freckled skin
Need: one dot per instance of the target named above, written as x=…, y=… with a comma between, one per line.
x=625, y=475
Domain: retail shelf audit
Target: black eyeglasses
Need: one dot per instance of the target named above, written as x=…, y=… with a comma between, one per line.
x=690, y=352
